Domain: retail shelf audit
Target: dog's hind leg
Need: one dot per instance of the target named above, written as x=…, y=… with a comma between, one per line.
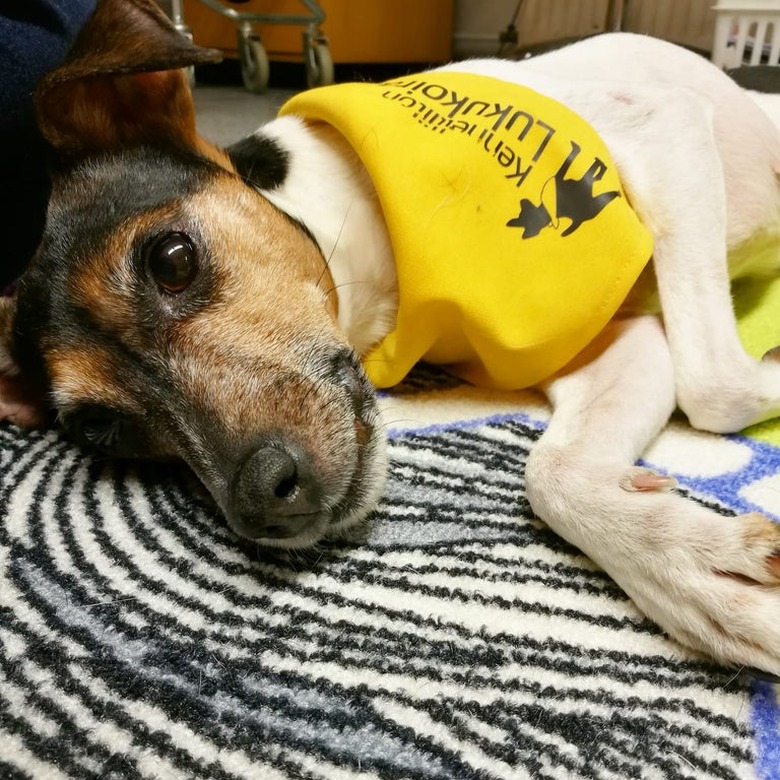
x=711, y=581
x=677, y=169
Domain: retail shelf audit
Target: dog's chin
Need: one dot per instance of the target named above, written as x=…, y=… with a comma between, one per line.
x=314, y=533
x=358, y=501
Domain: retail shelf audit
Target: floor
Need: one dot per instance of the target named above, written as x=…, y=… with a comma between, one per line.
x=227, y=113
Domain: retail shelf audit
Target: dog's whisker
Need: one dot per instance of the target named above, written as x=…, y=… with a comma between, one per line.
x=346, y=284
x=375, y=360
x=329, y=258
x=388, y=424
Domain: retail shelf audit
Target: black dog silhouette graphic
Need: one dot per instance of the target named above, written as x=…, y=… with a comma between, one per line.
x=574, y=200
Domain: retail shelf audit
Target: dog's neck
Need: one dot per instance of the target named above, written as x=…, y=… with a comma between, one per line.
x=328, y=190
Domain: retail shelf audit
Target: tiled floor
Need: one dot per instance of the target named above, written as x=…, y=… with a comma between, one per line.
x=228, y=113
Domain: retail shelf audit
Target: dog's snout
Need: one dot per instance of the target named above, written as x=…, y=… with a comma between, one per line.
x=276, y=495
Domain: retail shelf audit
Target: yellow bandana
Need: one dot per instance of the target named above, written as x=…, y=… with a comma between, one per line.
x=513, y=240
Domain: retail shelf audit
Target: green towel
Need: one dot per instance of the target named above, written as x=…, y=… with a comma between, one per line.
x=757, y=304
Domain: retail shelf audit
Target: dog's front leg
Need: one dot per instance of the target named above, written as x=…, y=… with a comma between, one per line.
x=712, y=582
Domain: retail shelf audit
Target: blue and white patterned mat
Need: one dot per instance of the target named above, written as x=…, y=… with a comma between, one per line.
x=455, y=638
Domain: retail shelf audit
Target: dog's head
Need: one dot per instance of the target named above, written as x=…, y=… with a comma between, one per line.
x=171, y=311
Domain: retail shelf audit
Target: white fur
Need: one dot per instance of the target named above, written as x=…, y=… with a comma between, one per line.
x=698, y=159
x=329, y=191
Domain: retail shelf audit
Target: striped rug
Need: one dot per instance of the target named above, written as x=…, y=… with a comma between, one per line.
x=454, y=638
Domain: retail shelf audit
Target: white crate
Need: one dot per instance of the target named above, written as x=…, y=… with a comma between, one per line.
x=747, y=32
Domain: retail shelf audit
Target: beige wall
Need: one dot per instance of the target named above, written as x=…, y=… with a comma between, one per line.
x=690, y=22
x=479, y=22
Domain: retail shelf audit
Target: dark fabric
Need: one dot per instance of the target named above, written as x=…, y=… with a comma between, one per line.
x=761, y=78
x=34, y=37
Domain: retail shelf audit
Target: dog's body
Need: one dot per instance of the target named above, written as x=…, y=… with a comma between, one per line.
x=196, y=316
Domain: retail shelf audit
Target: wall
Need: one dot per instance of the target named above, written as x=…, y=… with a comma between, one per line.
x=478, y=23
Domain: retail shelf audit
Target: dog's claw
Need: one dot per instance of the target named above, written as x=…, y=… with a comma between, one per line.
x=642, y=480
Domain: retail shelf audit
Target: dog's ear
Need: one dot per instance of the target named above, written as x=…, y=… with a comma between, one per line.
x=121, y=83
x=19, y=403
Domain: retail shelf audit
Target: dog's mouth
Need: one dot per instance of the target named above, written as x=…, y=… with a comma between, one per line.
x=355, y=496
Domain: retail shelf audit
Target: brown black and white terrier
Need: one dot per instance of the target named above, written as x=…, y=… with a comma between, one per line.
x=215, y=306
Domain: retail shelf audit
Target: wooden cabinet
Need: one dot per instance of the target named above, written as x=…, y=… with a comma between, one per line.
x=358, y=30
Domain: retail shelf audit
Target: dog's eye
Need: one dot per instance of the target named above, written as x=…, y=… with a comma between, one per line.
x=172, y=261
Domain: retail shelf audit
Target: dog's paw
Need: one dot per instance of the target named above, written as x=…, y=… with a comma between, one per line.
x=758, y=552
x=716, y=588
x=732, y=397
x=712, y=582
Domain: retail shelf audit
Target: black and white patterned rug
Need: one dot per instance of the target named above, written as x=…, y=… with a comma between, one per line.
x=456, y=638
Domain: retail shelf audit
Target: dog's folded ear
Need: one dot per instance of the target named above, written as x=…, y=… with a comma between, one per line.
x=19, y=402
x=121, y=83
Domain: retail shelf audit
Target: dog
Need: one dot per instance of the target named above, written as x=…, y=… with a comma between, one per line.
x=224, y=306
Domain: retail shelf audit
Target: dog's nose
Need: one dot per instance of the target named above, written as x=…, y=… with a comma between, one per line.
x=276, y=495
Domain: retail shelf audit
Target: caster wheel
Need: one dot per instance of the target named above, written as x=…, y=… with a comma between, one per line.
x=319, y=65
x=255, y=68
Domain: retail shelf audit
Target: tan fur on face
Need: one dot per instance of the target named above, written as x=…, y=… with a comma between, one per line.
x=273, y=284
x=85, y=374
x=271, y=306
x=253, y=360
x=104, y=284
x=250, y=359
x=214, y=153
x=269, y=289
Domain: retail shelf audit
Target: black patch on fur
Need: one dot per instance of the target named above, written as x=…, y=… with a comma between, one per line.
x=260, y=161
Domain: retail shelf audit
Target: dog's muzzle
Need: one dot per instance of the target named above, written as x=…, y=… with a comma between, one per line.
x=281, y=497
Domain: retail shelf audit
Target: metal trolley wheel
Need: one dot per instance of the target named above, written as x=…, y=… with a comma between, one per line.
x=255, y=67
x=318, y=61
